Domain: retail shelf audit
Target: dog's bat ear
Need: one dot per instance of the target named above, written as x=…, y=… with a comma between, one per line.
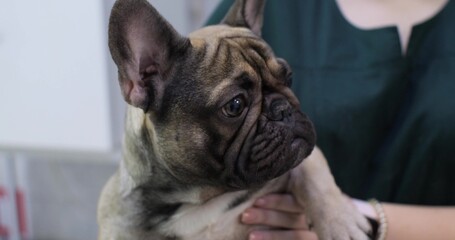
x=144, y=47
x=246, y=13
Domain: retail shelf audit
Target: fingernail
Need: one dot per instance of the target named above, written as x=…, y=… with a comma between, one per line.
x=247, y=217
x=256, y=236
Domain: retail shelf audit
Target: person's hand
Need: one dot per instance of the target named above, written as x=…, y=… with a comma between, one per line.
x=282, y=215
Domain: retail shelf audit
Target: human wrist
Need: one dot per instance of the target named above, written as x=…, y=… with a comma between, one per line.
x=374, y=212
x=381, y=216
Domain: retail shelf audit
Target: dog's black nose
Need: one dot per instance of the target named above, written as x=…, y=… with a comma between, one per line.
x=278, y=109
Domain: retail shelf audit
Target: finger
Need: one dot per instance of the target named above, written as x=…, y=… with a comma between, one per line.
x=280, y=235
x=271, y=218
x=282, y=202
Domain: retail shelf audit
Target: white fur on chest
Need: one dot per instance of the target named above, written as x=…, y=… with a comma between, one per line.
x=212, y=220
x=208, y=221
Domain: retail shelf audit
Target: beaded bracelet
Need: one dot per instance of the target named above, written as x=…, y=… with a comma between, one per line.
x=382, y=231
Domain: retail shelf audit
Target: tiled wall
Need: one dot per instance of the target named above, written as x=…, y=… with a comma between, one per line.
x=63, y=197
x=59, y=197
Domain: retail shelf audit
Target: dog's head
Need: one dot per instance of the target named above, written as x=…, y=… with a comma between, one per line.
x=218, y=103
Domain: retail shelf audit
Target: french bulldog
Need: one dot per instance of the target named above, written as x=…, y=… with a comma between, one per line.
x=211, y=125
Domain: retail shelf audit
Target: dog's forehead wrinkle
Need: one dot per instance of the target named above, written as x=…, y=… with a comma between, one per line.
x=234, y=59
x=218, y=91
x=240, y=81
x=258, y=55
x=221, y=31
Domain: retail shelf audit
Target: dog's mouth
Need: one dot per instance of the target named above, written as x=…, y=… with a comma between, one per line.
x=271, y=149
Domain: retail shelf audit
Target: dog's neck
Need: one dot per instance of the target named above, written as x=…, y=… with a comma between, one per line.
x=147, y=185
x=143, y=166
x=140, y=157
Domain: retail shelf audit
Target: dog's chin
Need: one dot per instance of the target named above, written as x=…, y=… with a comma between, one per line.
x=271, y=151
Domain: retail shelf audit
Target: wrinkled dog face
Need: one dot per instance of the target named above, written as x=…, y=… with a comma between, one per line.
x=218, y=102
x=253, y=112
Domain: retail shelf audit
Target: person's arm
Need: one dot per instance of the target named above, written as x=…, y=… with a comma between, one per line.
x=416, y=222
x=281, y=212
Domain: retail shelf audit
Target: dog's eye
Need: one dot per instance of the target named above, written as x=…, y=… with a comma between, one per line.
x=234, y=108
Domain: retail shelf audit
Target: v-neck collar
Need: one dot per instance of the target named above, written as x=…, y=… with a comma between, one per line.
x=418, y=31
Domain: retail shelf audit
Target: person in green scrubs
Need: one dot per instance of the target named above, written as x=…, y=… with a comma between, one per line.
x=377, y=78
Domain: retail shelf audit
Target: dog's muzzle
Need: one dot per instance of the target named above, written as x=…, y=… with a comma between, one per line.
x=282, y=138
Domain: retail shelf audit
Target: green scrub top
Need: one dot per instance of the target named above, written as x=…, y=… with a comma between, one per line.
x=386, y=122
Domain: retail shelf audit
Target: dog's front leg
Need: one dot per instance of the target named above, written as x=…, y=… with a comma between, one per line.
x=331, y=214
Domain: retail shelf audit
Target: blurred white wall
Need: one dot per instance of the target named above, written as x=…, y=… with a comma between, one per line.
x=56, y=74
x=61, y=112
x=54, y=78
